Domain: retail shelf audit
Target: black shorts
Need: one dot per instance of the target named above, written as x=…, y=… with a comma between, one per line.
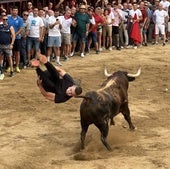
x=115, y=29
x=17, y=45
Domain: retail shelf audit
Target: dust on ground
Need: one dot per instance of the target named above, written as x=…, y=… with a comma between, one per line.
x=38, y=134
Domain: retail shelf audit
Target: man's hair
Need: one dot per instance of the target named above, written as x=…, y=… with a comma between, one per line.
x=78, y=90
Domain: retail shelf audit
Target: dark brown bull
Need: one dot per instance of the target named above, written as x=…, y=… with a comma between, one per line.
x=99, y=106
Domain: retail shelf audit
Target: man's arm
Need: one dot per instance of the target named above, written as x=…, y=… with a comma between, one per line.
x=12, y=35
x=48, y=95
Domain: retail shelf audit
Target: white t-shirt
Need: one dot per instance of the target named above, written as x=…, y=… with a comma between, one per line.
x=110, y=18
x=160, y=16
x=165, y=4
x=117, y=16
x=66, y=24
x=55, y=31
x=34, y=25
x=137, y=12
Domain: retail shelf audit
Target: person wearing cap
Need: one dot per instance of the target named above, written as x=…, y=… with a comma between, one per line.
x=54, y=83
x=82, y=29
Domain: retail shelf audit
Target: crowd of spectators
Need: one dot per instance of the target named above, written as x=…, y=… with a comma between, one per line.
x=65, y=30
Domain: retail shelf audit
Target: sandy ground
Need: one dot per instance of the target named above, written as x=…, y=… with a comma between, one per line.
x=38, y=134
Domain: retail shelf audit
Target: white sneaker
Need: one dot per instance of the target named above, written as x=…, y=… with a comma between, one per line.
x=2, y=76
x=103, y=48
x=100, y=49
x=58, y=63
x=82, y=55
x=72, y=54
x=110, y=48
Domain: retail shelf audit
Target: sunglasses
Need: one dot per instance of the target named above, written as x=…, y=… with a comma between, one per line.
x=5, y=19
x=25, y=14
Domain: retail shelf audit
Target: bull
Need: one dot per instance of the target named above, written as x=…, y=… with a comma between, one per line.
x=98, y=107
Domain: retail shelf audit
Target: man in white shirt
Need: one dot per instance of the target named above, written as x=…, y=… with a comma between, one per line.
x=54, y=36
x=160, y=18
x=35, y=33
x=67, y=21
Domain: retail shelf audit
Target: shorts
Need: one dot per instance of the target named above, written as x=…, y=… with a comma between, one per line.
x=66, y=38
x=17, y=45
x=54, y=41
x=168, y=26
x=33, y=43
x=5, y=51
x=79, y=36
x=115, y=29
x=107, y=31
x=160, y=28
x=93, y=35
x=99, y=29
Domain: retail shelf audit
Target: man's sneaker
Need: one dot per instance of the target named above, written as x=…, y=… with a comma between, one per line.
x=24, y=67
x=82, y=55
x=58, y=63
x=17, y=69
x=118, y=48
x=72, y=54
x=163, y=44
x=8, y=69
x=2, y=76
x=97, y=52
x=66, y=58
x=11, y=74
x=155, y=43
x=110, y=48
x=100, y=49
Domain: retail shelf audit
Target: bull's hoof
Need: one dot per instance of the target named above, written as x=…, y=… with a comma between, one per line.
x=132, y=128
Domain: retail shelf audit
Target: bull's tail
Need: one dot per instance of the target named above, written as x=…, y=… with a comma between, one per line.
x=83, y=97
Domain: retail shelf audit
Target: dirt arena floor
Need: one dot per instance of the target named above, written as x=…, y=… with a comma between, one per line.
x=38, y=134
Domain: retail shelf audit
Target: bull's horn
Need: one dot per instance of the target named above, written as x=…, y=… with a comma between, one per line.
x=135, y=75
x=106, y=73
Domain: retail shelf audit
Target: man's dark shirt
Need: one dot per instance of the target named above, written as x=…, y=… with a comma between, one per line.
x=62, y=86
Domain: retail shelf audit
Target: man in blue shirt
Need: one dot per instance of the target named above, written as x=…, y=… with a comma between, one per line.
x=17, y=22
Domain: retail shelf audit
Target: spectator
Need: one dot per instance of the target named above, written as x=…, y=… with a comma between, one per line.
x=54, y=36
x=43, y=43
x=107, y=28
x=30, y=8
x=99, y=23
x=135, y=32
x=67, y=21
x=143, y=23
x=24, y=34
x=50, y=6
x=160, y=17
x=125, y=16
x=17, y=22
x=82, y=29
x=7, y=38
x=35, y=34
x=118, y=20
x=92, y=36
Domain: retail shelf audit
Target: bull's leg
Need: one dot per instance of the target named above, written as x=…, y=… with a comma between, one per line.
x=83, y=134
x=104, y=129
x=126, y=113
x=112, y=122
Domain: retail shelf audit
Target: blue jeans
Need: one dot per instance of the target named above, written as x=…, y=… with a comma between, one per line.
x=24, y=51
x=33, y=43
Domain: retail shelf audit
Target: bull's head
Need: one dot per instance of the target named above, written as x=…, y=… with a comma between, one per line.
x=128, y=74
